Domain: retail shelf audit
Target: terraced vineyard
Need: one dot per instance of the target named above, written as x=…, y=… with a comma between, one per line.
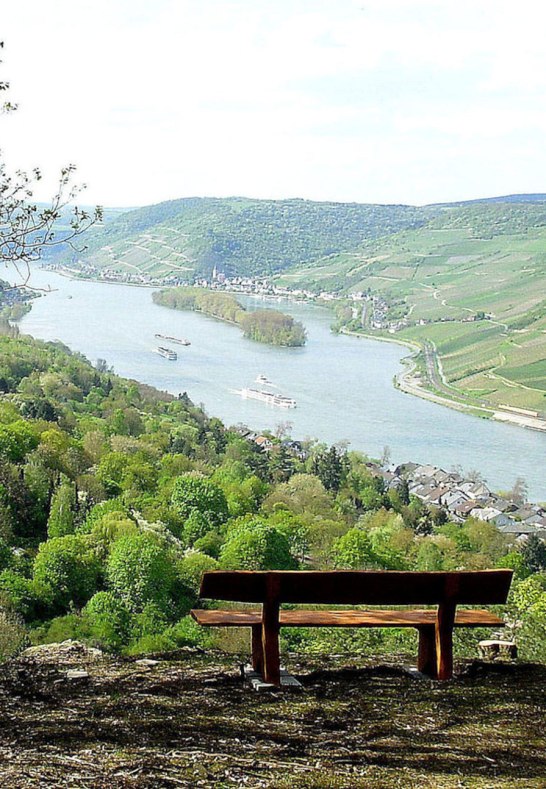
x=475, y=261
x=239, y=236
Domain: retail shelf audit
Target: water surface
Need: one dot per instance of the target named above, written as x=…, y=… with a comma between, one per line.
x=343, y=385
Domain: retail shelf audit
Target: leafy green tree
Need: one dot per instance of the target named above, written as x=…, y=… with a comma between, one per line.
x=62, y=514
x=515, y=561
x=18, y=594
x=140, y=571
x=196, y=527
x=354, y=551
x=257, y=546
x=17, y=440
x=527, y=609
x=534, y=554
x=192, y=493
x=191, y=568
x=65, y=572
x=108, y=619
x=211, y=544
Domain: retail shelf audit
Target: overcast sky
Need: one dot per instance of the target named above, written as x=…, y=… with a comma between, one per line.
x=390, y=101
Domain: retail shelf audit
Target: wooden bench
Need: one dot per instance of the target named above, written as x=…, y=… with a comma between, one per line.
x=446, y=590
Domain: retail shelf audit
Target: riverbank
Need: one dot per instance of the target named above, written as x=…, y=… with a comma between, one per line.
x=407, y=381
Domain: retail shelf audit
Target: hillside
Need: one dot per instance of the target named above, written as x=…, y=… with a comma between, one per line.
x=481, y=260
x=239, y=236
x=188, y=721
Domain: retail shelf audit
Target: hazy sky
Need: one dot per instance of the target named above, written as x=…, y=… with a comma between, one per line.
x=389, y=101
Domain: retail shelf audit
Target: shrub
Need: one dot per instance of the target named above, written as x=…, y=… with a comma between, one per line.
x=13, y=635
x=195, y=493
x=140, y=571
x=62, y=511
x=17, y=593
x=109, y=620
x=354, y=551
x=65, y=572
x=192, y=567
x=258, y=546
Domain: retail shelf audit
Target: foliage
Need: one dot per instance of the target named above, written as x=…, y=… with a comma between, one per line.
x=194, y=494
x=65, y=572
x=125, y=578
x=109, y=620
x=268, y=326
x=62, y=511
x=241, y=236
x=354, y=551
x=191, y=568
x=140, y=571
x=256, y=545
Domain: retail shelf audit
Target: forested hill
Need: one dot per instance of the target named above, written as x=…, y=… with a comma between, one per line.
x=187, y=238
x=239, y=236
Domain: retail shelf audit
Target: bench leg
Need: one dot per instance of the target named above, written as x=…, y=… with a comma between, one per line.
x=257, y=649
x=444, y=642
x=426, y=660
x=271, y=657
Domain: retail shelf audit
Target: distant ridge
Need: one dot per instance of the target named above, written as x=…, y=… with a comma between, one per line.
x=531, y=197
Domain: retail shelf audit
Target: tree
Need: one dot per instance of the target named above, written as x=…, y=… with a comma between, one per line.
x=65, y=572
x=63, y=510
x=354, y=551
x=139, y=571
x=257, y=546
x=534, y=554
x=518, y=494
x=330, y=467
x=25, y=228
x=196, y=493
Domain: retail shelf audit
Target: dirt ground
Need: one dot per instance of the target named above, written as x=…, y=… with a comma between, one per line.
x=190, y=721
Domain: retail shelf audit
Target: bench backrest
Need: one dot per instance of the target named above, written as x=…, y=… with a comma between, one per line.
x=358, y=587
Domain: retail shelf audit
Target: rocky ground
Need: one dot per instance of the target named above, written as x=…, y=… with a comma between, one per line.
x=71, y=717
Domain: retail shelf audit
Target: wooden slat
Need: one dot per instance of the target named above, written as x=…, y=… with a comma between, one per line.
x=389, y=587
x=379, y=618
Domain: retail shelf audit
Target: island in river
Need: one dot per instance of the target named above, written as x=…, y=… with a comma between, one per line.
x=263, y=325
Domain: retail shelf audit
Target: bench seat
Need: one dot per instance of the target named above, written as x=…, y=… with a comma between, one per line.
x=303, y=618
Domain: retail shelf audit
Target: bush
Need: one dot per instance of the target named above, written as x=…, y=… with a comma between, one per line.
x=109, y=620
x=17, y=593
x=195, y=493
x=62, y=511
x=211, y=544
x=354, y=551
x=257, y=546
x=62, y=628
x=196, y=527
x=140, y=571
x=13, y=636
x=192, y=567
x=65, y=572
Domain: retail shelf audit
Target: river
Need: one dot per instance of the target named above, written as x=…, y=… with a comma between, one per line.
x=342, y=385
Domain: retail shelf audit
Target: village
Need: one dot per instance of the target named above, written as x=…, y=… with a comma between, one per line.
x=458, y=496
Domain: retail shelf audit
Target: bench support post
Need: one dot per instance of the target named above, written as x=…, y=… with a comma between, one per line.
x=426, y=660
x=444, y=640
x=270, y=631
